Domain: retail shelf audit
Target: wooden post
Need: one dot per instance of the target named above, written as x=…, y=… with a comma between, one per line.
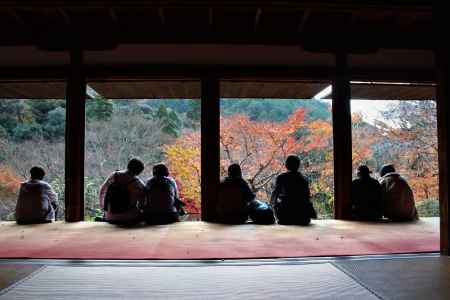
x=75, y=127
x=210, y=152
x=443, y=123
x=342, y=138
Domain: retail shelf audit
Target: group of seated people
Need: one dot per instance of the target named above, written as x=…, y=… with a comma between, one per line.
x=390, y=197
x=290, y=200
x=127, y=200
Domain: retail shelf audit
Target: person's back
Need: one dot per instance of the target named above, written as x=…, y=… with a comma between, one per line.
x=291, y=196
x=136, y=194
x=397, y=197
x=234, y=196
x=366, y=196
x=37, y=201
x=162, y=194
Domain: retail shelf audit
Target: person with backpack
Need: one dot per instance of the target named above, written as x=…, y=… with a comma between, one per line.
x=162, y=205
x=122, y=194
x=37, y=201
x=291, y=196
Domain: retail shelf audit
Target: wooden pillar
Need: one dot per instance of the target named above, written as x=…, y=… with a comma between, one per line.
x=342, y=138
x=441, y=23
x=443, y=123
x=210, y=152
x=75, y=131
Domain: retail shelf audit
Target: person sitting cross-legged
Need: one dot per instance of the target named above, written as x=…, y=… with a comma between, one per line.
x=37, y=201
x=122, y=195
x=162, y=197
x=234, y=197
x=366, y=196
x=291, y=196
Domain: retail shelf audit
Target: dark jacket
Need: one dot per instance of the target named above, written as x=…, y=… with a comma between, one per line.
x=247, y=193
x=233, y=199
x=366, y=199
x=291, y=194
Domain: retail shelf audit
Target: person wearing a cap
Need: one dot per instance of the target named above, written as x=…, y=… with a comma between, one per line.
x=366, y=196
x=397, y=196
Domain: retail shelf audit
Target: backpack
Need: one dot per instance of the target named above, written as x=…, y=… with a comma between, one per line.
x=260, y=212
x=117, y=198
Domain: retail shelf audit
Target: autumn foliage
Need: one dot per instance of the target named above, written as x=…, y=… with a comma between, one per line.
x=183, y=158
x=259, y=147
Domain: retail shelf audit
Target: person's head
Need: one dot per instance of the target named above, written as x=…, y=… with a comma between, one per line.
x=135, y=166
x=292, y=163
x=363, y=171
x=160, y=170
x=37, y=173
x=387, y=169
x=234, y=170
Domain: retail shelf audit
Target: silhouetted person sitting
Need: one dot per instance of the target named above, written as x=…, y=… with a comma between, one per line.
x=234, y=197
x=122, y=194
x=366, y=196
x=291, y=196
x=37, y=202
x=162, y=197
x=397, y=197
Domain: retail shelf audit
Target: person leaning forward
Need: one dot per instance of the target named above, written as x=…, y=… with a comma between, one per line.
x=136, y=194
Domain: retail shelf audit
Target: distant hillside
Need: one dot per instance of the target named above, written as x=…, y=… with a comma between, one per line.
x=274, y=109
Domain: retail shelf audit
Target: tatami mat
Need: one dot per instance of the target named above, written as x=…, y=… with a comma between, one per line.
x=308, y=281
x=415, y=278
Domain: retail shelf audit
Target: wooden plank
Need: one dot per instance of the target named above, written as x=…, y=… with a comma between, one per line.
x=75, y=132
x=157, y=71
x=443, y=123
x=210, y=152
x=342, y=138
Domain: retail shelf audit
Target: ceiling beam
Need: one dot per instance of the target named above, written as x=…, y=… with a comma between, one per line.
x=370, y=5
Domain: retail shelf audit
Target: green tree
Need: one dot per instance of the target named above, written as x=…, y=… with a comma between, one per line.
x=99, y=109
x=54, y=126
x=170, y=121
x=41, y=108
x=26, y=131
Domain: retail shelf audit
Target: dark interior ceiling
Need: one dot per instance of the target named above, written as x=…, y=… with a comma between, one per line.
x=320, y=25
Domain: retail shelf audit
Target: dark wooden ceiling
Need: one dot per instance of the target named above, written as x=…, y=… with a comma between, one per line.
x=319, y=25
x=190, y=89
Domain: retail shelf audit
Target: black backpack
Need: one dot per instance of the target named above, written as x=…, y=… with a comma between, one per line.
x=260, y=212
x=117, y=198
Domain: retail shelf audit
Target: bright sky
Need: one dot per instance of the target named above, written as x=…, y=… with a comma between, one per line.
x=370, y=109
